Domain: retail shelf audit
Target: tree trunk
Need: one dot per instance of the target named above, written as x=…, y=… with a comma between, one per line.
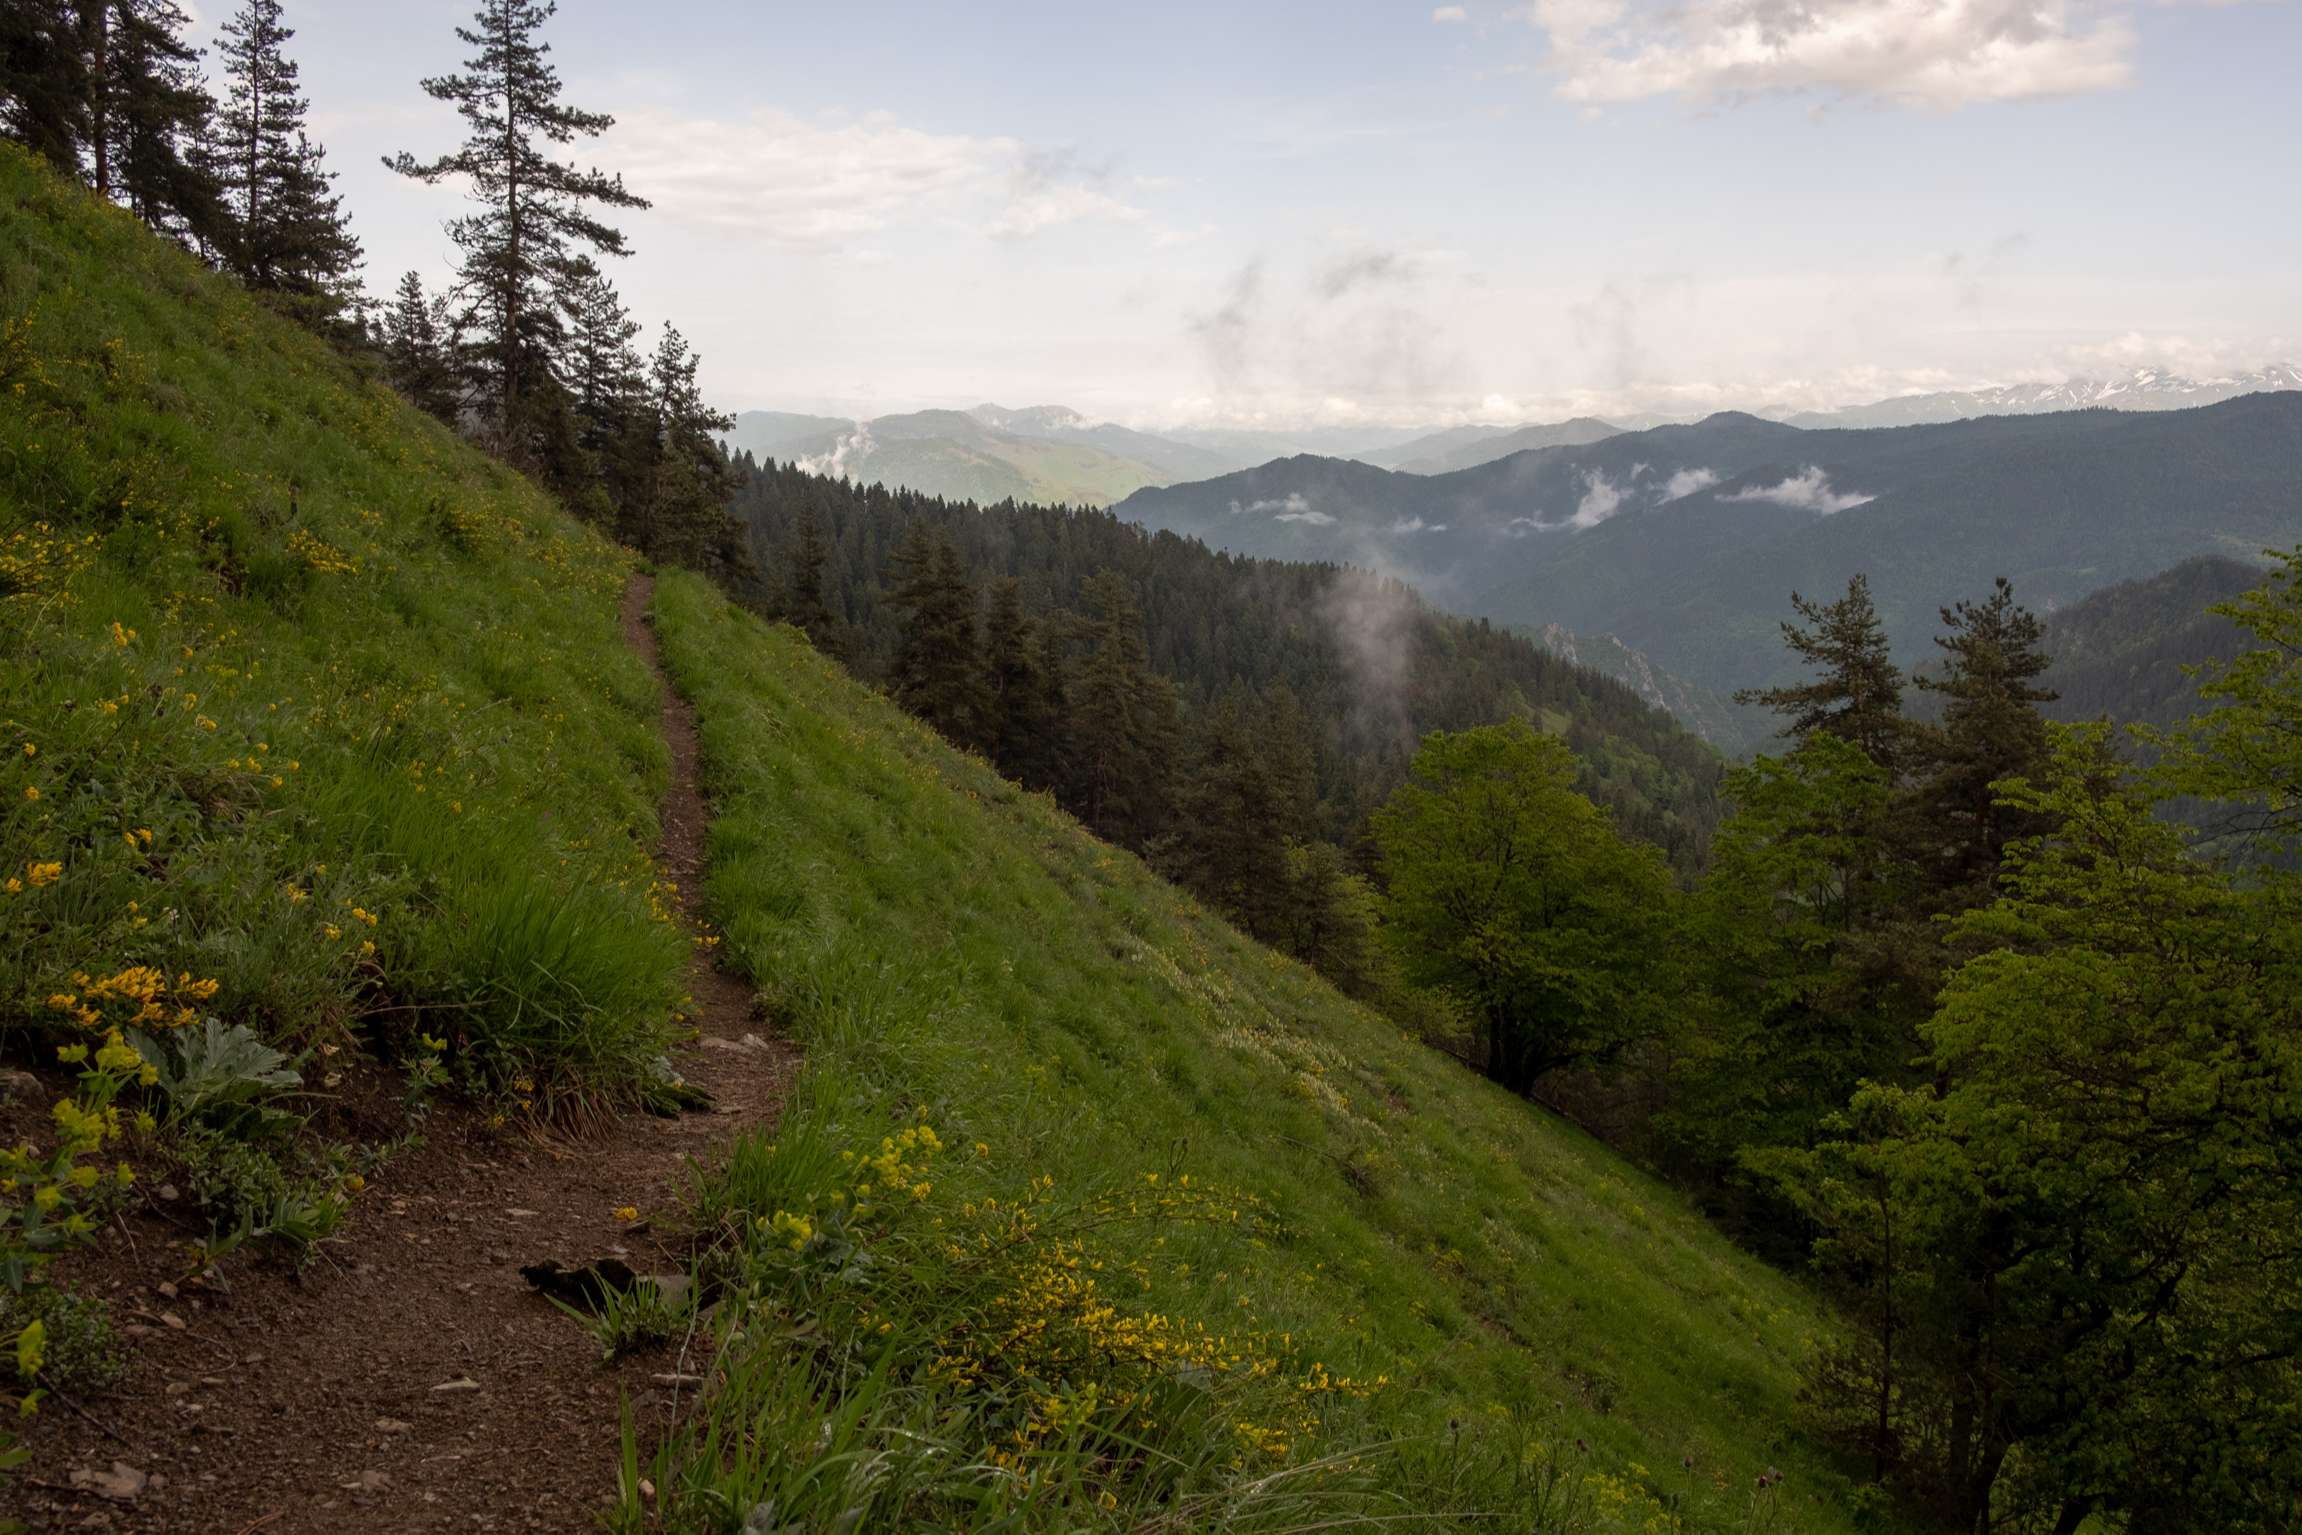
x=96, y=21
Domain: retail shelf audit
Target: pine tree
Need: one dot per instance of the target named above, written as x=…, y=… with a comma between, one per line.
x=803, y=605
x=289, y=235
x=1858, y=696
x=1124, y=722
x=1240, y=808
x=937, y=674
x=1991, y=730
x=603, y=372
x=682, y=515
x=419, y=357
x=519, y=251
x=44, y=84
x=149, y=112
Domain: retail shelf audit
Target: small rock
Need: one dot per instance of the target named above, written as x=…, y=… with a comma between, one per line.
x=166, y=1193
x=18, y=1086
x=166, y=1287
x=171, y=1321
x=393, y=1425
x=178, y=1387
x=369, y=1481
x=520, y=1215
x=460, y=1383
x=123, y=1483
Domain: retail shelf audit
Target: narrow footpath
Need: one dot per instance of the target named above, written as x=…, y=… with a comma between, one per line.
x=410, y=1379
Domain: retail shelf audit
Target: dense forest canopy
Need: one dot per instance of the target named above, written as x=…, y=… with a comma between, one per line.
x=1373, y=665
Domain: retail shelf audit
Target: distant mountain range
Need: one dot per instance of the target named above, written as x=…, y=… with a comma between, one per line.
x=2142, y=389
x=1043, y=453
x=1684, y=543
x=1465, y=447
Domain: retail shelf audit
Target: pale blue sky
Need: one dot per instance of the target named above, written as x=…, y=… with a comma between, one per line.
x=1284, y=211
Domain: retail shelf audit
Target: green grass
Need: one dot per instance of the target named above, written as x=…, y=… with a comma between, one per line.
x=287, y=671
x=956, y=953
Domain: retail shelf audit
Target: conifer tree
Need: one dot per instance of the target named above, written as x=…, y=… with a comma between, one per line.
x=419, y=356
x=682, y=511
x=536, y=213
x=149, y=112
x=1858, y=695
x=1024, y=685
x=803, y=605
x=1124, y=723
x=1239, y=810
x=602, y=370
x=1991, y=730
x=937, y=674
x=289, y=235
x=44, y=82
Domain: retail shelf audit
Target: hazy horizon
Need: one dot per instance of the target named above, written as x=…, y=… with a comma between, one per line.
x=1398, y=213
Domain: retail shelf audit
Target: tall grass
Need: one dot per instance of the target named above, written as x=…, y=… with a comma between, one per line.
x=300, y=693
x=1536, y=1336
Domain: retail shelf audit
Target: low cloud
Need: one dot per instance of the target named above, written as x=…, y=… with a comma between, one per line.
x=1932, y=54
x=776, y=177
x=1809, y=488
x=845, y=458
x=1292, y=507
x=1408, y=525
x=1372, y=619
x=1602, y=498
x=1687, y=481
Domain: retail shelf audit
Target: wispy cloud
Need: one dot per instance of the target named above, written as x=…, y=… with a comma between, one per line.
x=1937, y=54
x=1687, y=481
x=782, y=179
x=1446, y=13
x=1809, y=488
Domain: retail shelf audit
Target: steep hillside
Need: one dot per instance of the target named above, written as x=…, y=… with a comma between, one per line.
x=2061, y=504
x=2122, y=651
x=1685, y=542
x=1454, y=535
x=277, y=647
x=1095, y=1130
x=1373, y=666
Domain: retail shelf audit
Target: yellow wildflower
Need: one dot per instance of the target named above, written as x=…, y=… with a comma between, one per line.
x=43, y=873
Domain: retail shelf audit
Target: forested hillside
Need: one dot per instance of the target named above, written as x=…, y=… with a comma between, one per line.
x=1684, y=542
x=2131, y=652
x=1370, y=666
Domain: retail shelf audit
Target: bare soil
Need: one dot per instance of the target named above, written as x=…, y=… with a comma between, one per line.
x=409, y=1378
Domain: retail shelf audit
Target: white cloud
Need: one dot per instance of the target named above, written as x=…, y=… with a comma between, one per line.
x=1602, y=498
x=1937, y=54
x=786, y=180
x=1809, y=488
x=1291, y=508
x=1407, y=525
x=1445, y=13
x=1687, y=481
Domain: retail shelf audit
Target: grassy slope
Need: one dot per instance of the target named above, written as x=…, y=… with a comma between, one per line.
x=948, y=946
x=355, y=664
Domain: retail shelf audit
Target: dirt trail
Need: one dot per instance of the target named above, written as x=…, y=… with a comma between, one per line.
x=410, y=1380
